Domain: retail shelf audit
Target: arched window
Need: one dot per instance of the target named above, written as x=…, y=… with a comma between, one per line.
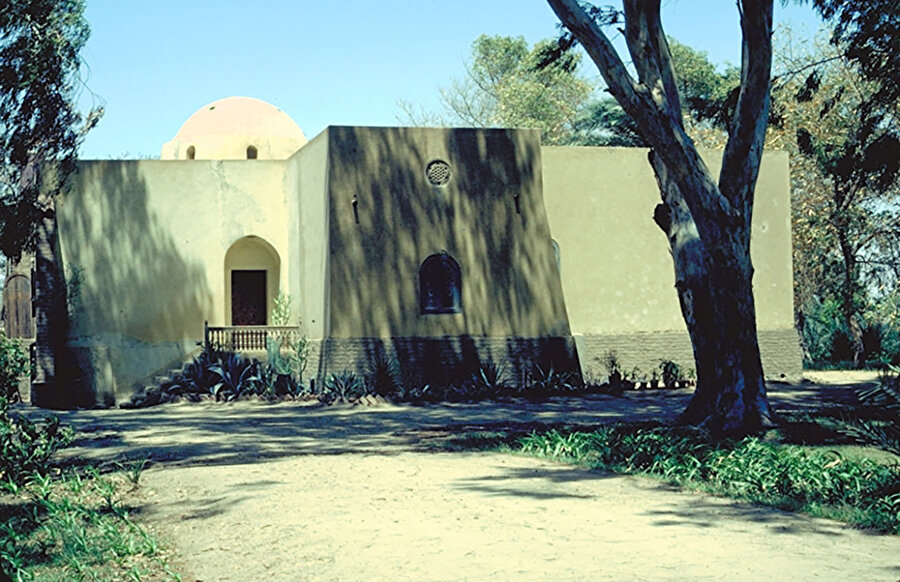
x=191, y=152
x=440, y=288
x=251, y=152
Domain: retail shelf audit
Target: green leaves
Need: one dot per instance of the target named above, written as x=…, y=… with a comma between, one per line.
x=510, y=84
x=26, y=446
x=13, y=364
x=785, y=476
x=40, y=41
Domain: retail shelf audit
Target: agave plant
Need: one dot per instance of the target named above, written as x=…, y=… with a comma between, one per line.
x=489, y=380
x=234, y=377
x=384, y=376
x=343, y=387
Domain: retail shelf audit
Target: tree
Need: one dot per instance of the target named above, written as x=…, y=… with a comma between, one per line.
x=707, y=223
x=707, y=99
x=506, y=85
x=846, y=117
x=40, y=130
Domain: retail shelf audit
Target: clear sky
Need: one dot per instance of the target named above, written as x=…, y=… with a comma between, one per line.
x=152, y=63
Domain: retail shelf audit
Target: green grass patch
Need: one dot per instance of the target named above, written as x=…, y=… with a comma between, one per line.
x=73, y=526
x=822, y=482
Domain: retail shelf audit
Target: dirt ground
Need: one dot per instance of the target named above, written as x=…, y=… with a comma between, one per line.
x=287, y=492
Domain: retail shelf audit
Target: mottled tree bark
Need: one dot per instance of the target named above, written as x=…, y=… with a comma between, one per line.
x=707, y=223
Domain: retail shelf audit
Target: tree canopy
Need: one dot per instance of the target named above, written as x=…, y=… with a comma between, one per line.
x=507, y=85
x=40, y=41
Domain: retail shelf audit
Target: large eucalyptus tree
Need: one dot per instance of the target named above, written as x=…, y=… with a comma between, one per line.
x=705, y=218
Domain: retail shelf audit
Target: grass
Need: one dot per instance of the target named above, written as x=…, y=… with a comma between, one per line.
x=76, y=525
x=819, y=481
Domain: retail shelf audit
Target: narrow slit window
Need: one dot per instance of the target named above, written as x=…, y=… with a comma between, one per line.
x=251, y=152
x=440, y=285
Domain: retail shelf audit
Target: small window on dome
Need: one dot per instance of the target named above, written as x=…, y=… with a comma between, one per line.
x=251, y=152
x=190, y=152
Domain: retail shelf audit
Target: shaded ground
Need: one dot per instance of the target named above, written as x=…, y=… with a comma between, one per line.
x=292, y=492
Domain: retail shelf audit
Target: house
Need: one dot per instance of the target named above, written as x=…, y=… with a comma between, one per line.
x=440, y=248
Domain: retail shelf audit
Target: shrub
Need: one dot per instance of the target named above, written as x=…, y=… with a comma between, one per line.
x=384, y=376
x=26, y=446
x=234, y=376
x=343, y=387
x=785, y=476
x=13, y=364
x=490, y=380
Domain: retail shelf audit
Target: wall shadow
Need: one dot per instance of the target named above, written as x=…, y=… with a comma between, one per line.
x=136, y=299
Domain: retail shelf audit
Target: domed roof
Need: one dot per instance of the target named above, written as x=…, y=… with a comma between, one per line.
x=240, y=116
x=241, y=120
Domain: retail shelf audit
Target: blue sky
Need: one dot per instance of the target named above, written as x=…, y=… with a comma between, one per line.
x=151, y=64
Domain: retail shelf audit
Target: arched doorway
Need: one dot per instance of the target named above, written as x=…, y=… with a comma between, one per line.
x=252, y=274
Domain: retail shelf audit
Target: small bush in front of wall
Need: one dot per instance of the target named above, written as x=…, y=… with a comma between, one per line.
x=544, y=382
x=489, y=380
x=13, y=365
x=214, y=373
x=384, y=377
x=344, y=387
x=235, y=376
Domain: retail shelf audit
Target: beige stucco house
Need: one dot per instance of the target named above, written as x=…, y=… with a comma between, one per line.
x=440, y=248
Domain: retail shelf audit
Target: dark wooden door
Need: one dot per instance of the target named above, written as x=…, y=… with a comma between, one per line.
x=248, y=298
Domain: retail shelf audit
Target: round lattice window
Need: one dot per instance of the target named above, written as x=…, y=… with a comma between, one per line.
x=438, y=172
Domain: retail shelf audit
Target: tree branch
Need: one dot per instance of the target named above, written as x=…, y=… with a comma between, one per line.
x=740, y=162
x=650, y=55
x=620, y=83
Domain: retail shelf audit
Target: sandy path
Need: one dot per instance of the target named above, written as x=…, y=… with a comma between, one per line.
x=287, y=492
x=417, y=516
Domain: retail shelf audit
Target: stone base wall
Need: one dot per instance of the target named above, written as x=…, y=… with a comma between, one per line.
x=779, y=350
x=444, y=361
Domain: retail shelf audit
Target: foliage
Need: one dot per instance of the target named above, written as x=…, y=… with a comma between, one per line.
x=784, y=476
x=282, y=310
x=26, y=446
x=344, y=387
x=13, y=365
x=671, y=373
x=234, y=376
x=75, y=527
x=383, y=376
x=489, y=380
x=603, y=122
x=547, y=381
x=40, y=41
x=846, y=196
x=508, y=85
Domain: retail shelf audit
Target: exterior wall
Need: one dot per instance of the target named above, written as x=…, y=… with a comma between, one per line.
x=231, y=147
x=306, y=177
x=510, y=285
x=617, y=272
x=143, y=246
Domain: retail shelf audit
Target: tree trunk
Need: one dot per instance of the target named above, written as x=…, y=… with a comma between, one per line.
x=716, y=296
x=848, y=295
x=707, y=224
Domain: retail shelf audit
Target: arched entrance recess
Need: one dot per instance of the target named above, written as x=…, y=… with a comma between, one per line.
x=252, y=273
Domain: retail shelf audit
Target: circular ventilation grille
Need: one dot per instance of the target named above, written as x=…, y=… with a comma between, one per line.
x=438, y=172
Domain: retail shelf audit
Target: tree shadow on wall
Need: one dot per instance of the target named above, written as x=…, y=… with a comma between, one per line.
x=132, y=282
x=386, y=218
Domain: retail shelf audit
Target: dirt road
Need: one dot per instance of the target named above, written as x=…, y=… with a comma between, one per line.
x=290, y=492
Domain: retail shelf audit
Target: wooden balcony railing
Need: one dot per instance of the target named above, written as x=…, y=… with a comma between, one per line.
x=248, y=337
